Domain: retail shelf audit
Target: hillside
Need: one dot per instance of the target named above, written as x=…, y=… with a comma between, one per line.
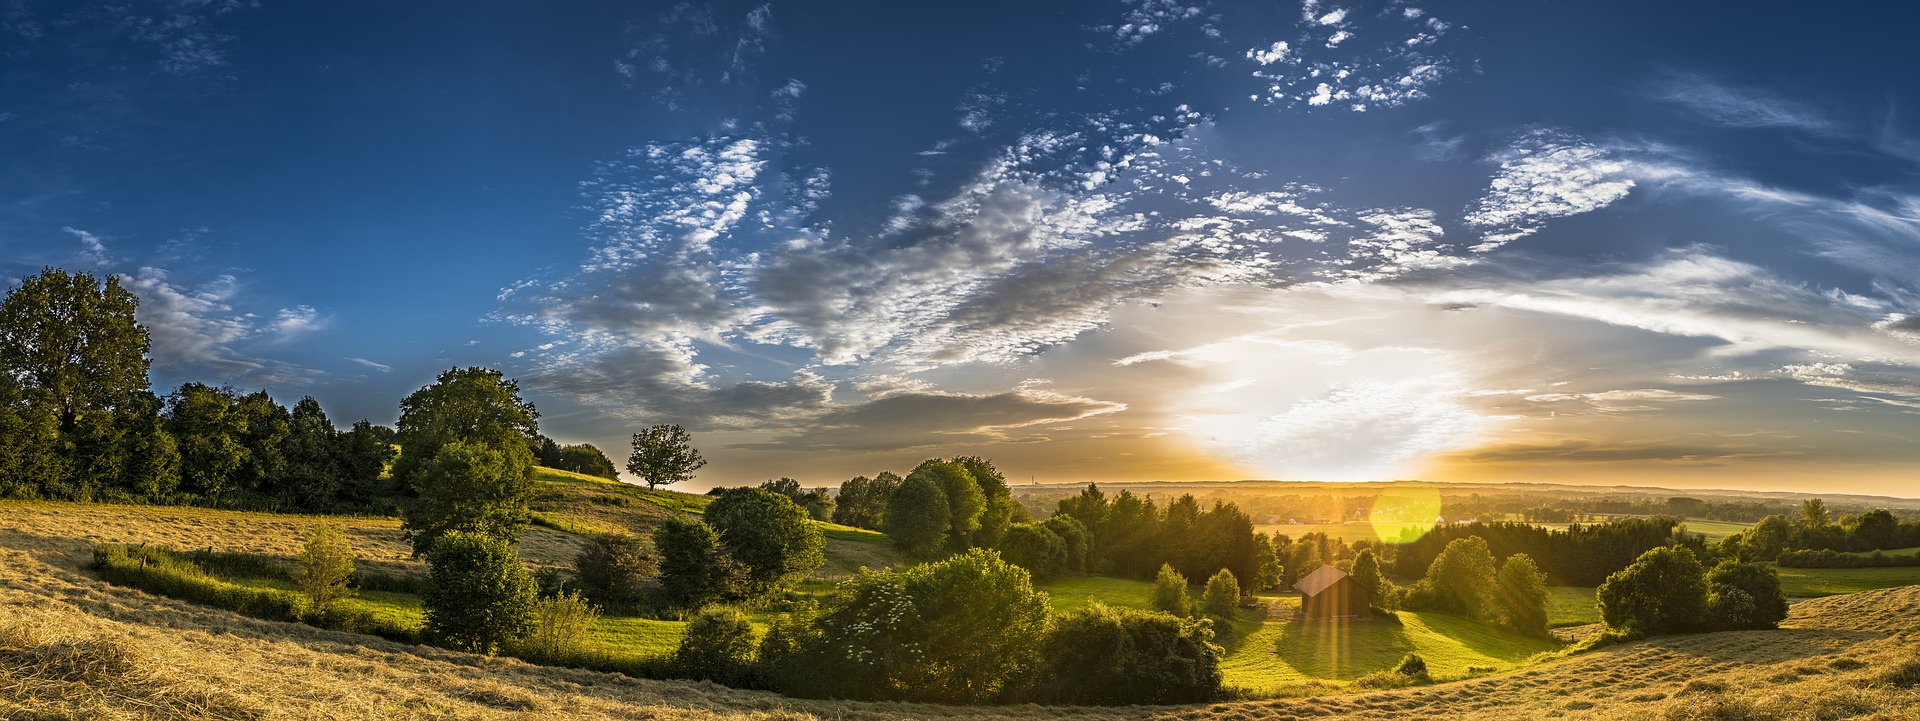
x=72, y=646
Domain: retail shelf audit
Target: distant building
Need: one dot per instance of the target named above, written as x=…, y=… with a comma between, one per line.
x=1329, y=593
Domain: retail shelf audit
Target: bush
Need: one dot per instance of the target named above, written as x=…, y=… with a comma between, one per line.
x=478, y=596
x=1664, y=591
x=693, y=569
x=964, y=629
x=775, y=540
x=1034, y=547
x=1074, y=538
x=1222, y=595
x=325, y=566
x=1414, y=667
x=1744, y=596
x=1170, y=592
x=718, y=647
x=1104, y=655
x=1411, y=671
x=611, y=568
x=562, y=630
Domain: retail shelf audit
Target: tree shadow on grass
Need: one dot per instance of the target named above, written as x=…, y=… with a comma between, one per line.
x=1342, y=649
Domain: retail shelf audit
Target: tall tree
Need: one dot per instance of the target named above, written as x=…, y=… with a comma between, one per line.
x=312, y=475
x=998, y=513
x=918, y=516
x=965, y=502
x=267, y=425
x=71, y=343
x=208, y=430
x=664, y=455
x=464, y=454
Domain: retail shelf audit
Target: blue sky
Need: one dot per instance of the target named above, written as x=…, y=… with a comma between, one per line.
x=1604, y=242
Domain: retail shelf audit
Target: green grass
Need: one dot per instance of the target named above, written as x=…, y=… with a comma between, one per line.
x=1274, y=653
x=1072, y=593
x=1817, y=582
x=849, y=533
x=1571, y=606
x=1716, y=529
x=670, y=500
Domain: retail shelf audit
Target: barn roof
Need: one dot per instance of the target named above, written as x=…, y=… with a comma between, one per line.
x=1321, y=578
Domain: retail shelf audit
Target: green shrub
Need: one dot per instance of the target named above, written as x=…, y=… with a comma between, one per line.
x=718, y=647
x=774, y=539
x=1170, y=592
x=324, y=567
x=611, y=568
x=562, y=631
x=1664, y=591
x=478, y=596
x=1035, y=547
x=693, y=569
x=1222, y=595
x=1104, y=655
x=1413, y=667
x=1744, y=596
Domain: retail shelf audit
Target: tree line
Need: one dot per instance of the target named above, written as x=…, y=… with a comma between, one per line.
x=1814, y=537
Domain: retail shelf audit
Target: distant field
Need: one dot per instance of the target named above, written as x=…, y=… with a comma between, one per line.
x=1717, y=529
x=1571, y=606
x=1817, y=582
x=1348, y=532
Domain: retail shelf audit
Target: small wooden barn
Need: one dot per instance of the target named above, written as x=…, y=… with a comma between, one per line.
x=1329, y=593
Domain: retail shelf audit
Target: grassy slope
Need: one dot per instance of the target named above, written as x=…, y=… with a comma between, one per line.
x=152, y=657
x=1266, y=653
x=1571, y=606
x=1817, y=582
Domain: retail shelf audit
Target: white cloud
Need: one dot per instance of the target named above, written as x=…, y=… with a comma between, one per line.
x=297, y=321
x=382, y=367
x=1543, y=175
x=1398, y=68
x=1147, y=18
x=1739, y=107
x=95, y=252
x=1270, y=55
x=196, y=331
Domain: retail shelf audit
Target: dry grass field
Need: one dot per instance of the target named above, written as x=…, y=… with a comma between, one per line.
x=72, y=646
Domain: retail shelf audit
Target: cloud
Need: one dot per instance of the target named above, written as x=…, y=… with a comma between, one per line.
x=382, y=367
x=1588, y=451
x=910, y=420
x=195, y=331
x=1146, y=18
x=290, y=323
x=1344, y=72
x=1545, y=174
x=1738, y=107
x=95, y=252
x=1623, y=401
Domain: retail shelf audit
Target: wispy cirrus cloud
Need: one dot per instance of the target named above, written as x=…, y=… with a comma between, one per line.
x=196, y=330
x=1545, y=174
x=1739, y=107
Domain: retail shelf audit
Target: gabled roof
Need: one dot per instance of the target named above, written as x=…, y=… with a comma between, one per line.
x=1321, y=578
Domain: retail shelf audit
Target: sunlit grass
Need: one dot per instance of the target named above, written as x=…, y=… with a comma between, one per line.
x=1571, y=606
x=1817, y=582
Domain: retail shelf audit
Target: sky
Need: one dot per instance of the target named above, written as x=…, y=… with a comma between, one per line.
x=1643, y=243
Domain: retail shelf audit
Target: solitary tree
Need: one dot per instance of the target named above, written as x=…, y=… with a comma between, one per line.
x=1222, y=594
x=325, y=566
x=664, y=455
x=1521, y=589
x=1170, y=592
x=464, y=453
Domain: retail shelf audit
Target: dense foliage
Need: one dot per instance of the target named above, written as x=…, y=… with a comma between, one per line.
x=1663, y=591
x=1129, y=536
x=664, y=455
x=693, y=568
x=718, y=647
x=612, y=566
x=775, y=541
x=478, y=596
x=1582, y=555
x=1104, y=655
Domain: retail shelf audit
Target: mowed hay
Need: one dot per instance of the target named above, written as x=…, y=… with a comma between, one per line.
x=74, y=646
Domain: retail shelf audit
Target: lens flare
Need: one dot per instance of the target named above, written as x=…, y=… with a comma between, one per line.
x=1404, y=514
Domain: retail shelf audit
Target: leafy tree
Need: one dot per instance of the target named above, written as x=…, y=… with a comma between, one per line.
x=783, y=486
x=1366, y=572
x=464, y=454
x=1462, y=577
x=1222, y=595
x=664, y=455
x=30, y=457
x=1170, y=592
x=585, y=458
x=265, y=426
x=208, y=431
x=1814, y=514
x=612, y=566
x=1074, y=540
x=478, y=596
x=1664, y=591
x=965, y=502
x=1875, y=529
x=1104, y=655
x=718, y=647
x=1745, y=596
x=467, y=405
x=918, y=516
x=363, y=454
x=1090, y=509
x=1035, y=547
x=1766, y=539
x=324, y=566
x=996, y=516
x=1126, y=542
x=70, y=343
x=774, y=539
x=862, y=501
x=153, y=469
x=1521, y=591
x=693, y=568
x=964, y=629
x=470, y=487
x=818, y=504
x=312, y=477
